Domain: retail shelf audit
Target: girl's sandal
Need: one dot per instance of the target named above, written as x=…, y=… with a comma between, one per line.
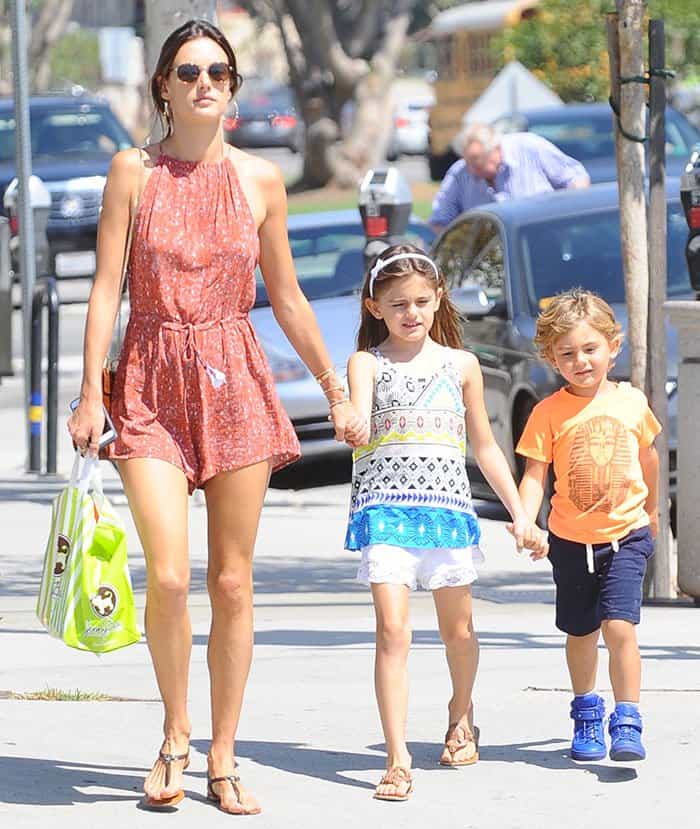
x=235, y=781
x=397, y=776
x=460, y=752
x=154, y=803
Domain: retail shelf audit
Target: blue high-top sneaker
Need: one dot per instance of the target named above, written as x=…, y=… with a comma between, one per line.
x=587, y=712
x=625, y=729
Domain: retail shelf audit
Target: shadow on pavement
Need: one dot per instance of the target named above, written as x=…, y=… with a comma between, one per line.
x=425, y=756
x=298, y=758
x=36, y=781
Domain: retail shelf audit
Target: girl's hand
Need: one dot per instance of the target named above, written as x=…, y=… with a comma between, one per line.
x=528, y=536
x=86, y=425
x=357, y=435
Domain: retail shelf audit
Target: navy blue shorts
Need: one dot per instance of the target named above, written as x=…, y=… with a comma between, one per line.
x=612, y=591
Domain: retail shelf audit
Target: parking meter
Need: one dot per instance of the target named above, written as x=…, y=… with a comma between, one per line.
x=385, y=204
x=40, y=201
x=690, y=198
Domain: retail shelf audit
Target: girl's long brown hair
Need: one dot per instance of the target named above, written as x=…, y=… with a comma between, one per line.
x=446, y=328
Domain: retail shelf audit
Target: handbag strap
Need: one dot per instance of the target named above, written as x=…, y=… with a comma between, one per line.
x=133, y=208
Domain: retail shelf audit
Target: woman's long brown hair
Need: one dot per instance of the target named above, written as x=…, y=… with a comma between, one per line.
x=446, y=328
x=190, y=30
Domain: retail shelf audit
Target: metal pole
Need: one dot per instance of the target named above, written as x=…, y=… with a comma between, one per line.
x=36, y=409
x=658, y=370
x=52, y=306
x=20, y=76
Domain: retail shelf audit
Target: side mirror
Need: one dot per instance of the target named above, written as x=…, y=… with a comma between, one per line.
x=471, y=301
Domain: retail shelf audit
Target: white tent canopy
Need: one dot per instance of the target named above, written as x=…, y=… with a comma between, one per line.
x=513, y=89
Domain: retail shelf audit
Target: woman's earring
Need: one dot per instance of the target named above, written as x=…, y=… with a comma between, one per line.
x=234, y=113
x=166, y=109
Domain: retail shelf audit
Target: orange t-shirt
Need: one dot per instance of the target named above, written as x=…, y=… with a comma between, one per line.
x=599, y=489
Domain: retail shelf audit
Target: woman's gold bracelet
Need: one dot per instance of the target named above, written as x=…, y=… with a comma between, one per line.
x=322, y=375
x=338, y=402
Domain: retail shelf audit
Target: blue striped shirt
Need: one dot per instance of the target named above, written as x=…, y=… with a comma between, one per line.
x=530, y=165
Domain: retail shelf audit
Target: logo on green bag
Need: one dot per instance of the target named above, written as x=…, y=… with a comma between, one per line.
x=62, y=553
x=104, y=602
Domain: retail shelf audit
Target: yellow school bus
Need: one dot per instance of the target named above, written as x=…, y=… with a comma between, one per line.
x=466, y=65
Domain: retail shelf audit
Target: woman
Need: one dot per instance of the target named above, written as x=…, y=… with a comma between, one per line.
x=194, y=403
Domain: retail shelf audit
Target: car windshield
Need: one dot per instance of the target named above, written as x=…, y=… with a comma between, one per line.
x=585, y=251
x=257, y=98
x=56, y=132
x=328, y=260
x=591, y=136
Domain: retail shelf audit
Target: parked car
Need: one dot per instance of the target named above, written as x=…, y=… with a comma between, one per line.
x=411, y=126
x=264, y=114
x=585, y=132
x=503, y=260
x=73, y=139
x=327, y=250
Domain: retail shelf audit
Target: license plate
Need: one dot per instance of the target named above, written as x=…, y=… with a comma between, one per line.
x=78, y=263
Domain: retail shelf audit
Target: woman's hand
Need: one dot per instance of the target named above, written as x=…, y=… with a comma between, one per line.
x=86, y=425
x=347, y=423
x=359, y=436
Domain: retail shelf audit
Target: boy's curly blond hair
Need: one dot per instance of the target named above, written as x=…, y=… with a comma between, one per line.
x=566, y=310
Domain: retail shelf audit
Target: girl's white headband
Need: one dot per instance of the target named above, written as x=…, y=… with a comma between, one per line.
x=380, y=264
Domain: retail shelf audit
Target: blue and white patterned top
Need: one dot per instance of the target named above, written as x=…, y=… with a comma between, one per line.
x=530, y=165
x=409, y=483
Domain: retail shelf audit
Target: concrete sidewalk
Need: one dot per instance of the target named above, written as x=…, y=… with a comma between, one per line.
x=310, y=743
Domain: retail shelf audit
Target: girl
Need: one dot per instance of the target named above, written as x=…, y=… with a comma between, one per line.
x=194, y=402
x=411, y=513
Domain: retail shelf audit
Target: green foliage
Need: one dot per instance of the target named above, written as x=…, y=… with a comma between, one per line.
x=565, y=43
x=75, y=59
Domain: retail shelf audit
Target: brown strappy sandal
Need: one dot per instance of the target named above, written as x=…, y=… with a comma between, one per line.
x=395, y=776
x=234, y=780
x=154, y=803
x=469, y=744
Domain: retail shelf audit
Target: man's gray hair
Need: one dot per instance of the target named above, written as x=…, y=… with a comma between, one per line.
x=486, y=136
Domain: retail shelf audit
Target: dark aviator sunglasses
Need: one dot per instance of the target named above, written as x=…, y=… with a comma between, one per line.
x=190, y=72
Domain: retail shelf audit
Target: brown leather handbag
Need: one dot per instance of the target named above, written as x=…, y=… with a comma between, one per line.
x=109, y=369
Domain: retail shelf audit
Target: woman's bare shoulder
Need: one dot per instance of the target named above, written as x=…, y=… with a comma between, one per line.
x=265, y=173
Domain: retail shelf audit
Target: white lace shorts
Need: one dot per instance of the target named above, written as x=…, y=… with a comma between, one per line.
x=429, y=569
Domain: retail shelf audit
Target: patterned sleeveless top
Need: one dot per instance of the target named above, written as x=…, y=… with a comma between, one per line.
x=409, y=483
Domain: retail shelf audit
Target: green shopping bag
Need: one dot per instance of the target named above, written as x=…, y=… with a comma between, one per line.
x=86, y=597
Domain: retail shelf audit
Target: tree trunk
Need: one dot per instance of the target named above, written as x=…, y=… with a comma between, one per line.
x=47, y=29
x=631, y=162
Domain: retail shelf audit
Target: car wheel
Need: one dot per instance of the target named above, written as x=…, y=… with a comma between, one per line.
x=521, y=413
x=440, y=164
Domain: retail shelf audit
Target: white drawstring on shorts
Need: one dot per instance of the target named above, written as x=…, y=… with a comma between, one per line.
x=590, y=561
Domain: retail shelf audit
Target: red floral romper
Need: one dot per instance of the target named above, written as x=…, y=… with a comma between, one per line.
x=193, y=386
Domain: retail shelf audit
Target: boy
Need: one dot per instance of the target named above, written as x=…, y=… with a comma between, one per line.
x=599, y=435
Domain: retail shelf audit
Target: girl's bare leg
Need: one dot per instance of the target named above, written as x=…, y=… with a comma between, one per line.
x=391, y=673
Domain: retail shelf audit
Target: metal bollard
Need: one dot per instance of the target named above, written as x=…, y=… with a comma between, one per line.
x=45, y=293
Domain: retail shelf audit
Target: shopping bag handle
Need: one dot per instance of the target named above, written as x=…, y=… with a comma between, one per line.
x=82, y=474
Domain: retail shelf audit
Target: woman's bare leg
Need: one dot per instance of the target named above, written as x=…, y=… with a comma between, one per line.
x=149, y=484
x=234, y=503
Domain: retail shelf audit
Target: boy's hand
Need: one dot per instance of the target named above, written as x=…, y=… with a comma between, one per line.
x=654, y=523
x=528, y=536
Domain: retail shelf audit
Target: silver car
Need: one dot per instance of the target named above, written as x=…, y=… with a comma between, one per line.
x=327, y=250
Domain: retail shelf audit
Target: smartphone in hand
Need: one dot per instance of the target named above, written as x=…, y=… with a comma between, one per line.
x=109, y=433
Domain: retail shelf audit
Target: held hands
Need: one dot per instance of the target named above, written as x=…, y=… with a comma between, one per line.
x=349, y=426
x=85, y=426
x=528, y=536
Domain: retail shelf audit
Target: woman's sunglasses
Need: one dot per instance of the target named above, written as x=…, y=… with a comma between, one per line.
x=190, y=72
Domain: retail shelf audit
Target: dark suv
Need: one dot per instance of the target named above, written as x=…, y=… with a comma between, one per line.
x=73, y=141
